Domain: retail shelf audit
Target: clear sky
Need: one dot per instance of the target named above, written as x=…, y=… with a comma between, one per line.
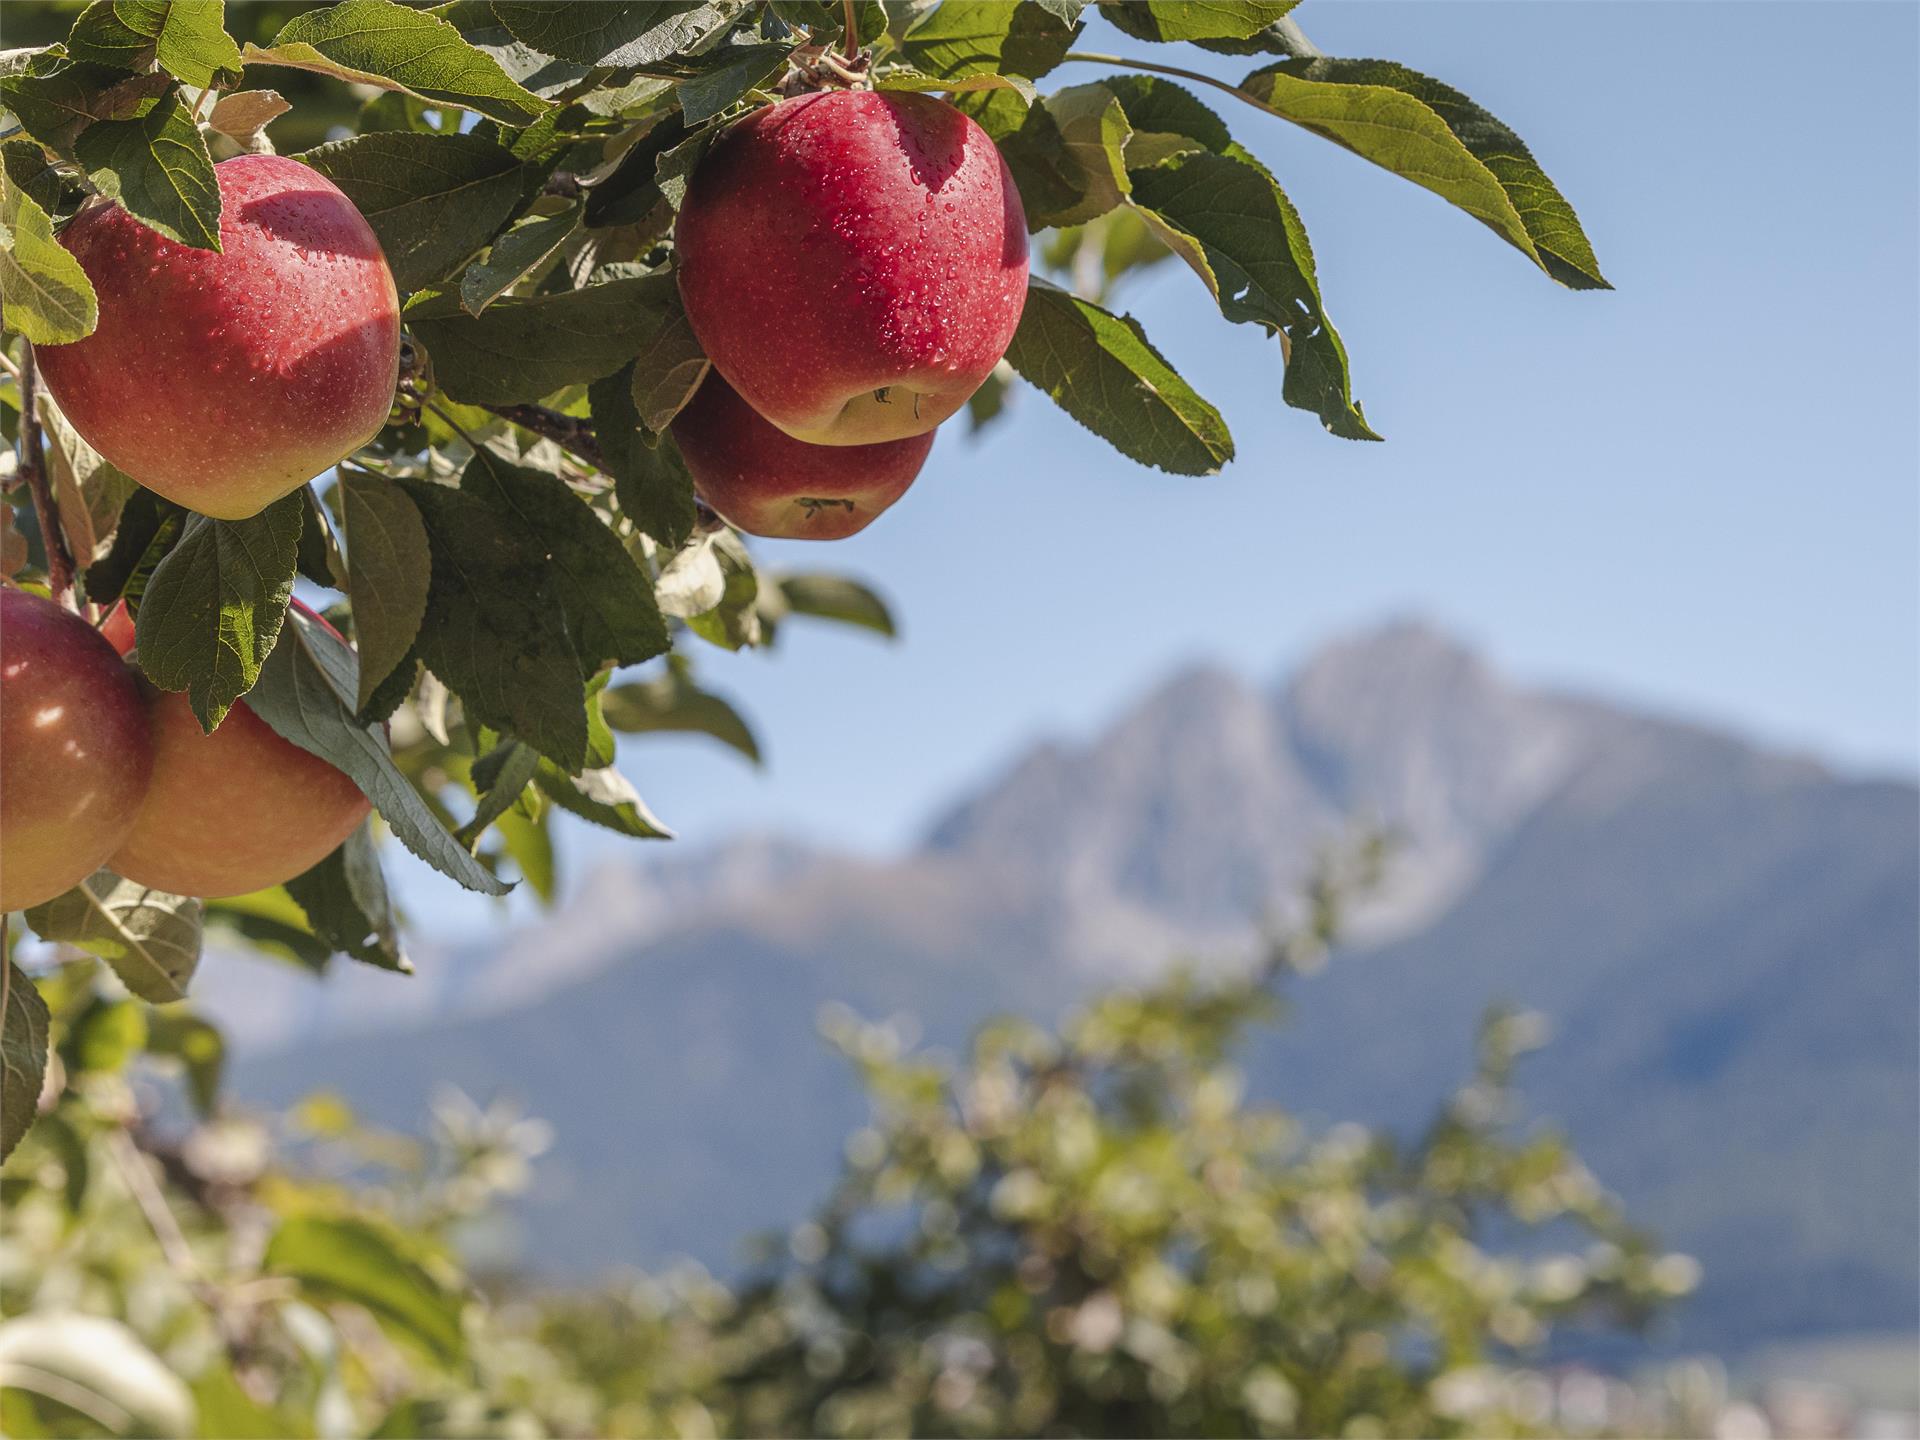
x=1700, y=492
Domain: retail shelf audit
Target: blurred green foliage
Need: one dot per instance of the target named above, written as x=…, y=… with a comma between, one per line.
x=1089, y=1232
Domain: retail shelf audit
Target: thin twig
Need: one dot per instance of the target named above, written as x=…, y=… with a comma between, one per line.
x=153, y=1205
x=33, y=469
x=850, y=42
x=576, y=437
x=1091, y=58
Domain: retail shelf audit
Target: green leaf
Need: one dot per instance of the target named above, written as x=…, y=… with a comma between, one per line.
x=28, y=167
x=151, y=938
x=671, y=703
x=47, y=296
x=651, y=483
x=973, y=37
x=1050, y=180
x=269, y=921
x=1171, y=20
x=23, y=1054
x=352, y=1260
x=499, y=777
x=389, y=566
x=524, y=349
x=186, y=38
x=1093, y=132
x=733, y=621
x=741, y=68
x=158, y=168
x=148, y=528
x=669, y=366
x=106, y=1036
x=378, y=42
x=305, y=692
x=603, y=796
x=214, y=606
x=346, y=903
x=617, y=35
x=835, y=597
x=432, y=199
x=1436, y=137
x=905, y=77
x=494, y=630
x=197, y=1045
x=1102, y=371
x=514, y=255
x=89, y=491
x=54, y=100
x=606, y=600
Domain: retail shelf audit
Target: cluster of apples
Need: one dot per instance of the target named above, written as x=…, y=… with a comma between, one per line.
x=854, y=265
x=222, y=380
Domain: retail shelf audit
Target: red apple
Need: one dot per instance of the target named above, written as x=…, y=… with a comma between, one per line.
x=768, y=483
x=854, y=263
x=230, y=812
x=76, y=753
x=223, y=380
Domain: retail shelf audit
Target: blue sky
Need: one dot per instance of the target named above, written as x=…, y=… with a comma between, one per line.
x=1700, y=492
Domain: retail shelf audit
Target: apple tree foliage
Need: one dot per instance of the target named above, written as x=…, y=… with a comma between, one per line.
x=523, y=532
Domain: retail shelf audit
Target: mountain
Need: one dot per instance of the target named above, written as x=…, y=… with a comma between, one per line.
x=1724, y=938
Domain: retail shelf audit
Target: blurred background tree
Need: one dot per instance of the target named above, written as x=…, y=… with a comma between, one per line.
x=1086, y=1232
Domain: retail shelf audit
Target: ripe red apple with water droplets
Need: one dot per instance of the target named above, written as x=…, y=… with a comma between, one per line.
x=226, y=379
x=765, y=482
x=854, y=263
x=235, y=811
x=76, y=752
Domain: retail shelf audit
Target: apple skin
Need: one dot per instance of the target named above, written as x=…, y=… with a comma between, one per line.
x=76, y=751
x=223, y=380
x=232, y=812
x=765, y=482
x=854, y=263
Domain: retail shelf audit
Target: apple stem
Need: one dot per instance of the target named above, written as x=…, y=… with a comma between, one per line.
x=33, y=469
x=850, y=41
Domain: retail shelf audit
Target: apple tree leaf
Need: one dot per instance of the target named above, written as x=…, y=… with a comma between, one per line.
x=186, y=38
x=672, y=703
x=23, y=1054
x=836, y=598
x=514, y=254
x=433, y=200
x=1198, y=20
x=379, y=42
x=1101, y=369
x=974, y=37
x=1435, y=136
x=151, y=938
x=346, y=903
x=651, y=483
x=336, y=1258
x=46, y=294
x=216, y=603
x=615, y=33
x=389, y=565
x=305, y=692
x=158, y=168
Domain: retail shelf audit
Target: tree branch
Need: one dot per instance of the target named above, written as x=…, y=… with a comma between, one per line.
x=576, y=437
x=33, y=469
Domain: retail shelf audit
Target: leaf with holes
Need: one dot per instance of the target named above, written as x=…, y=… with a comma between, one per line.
x=433, y=200
x=1101, y=369
x=151, y=938
x=214, y=606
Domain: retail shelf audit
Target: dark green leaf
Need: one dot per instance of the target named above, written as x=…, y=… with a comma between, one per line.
x=614, y=33
x=603, y=796
x=651, y=482
x=1436, y=137
x=606, y=600
x=158, y=168
x=499, y=777
x=197, y=1045
x=305, y=693
x=54, y=100
x=151, y=938
x=523, y=349
x=347, y=1259
x=27, y=168
x=513, y=255
x=741, y=68
x=668, y=368
x=1050, y=180
x=495, y=631
x=835, y=597
x=345, y=900
x=185, y=37
x=148, y=528
x=23, y=1054
x=389, y=566
x=671, y=703
x=975, y=37
x=432, y=199
x=214, y=606
x=378, y=42
x=1101, y=370
x=269, y=921
x=1169, y=20
x=1093, y=133
x=47, y=296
